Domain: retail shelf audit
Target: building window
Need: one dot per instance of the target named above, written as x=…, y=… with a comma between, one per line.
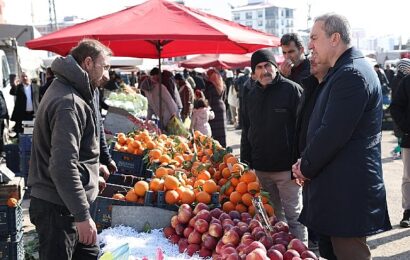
x=249, y=24
x=248, y=15
x=283, y=13
x=236, y=16
x=260, y=14
x=260, y=23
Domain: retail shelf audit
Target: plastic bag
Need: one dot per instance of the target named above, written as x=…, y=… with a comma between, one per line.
x=176, y=127
x=120, y=253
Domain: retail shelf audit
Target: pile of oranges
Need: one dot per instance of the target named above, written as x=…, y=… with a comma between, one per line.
x=191, y=171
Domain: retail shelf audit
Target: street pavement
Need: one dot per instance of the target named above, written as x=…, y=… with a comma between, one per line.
x=392, y=245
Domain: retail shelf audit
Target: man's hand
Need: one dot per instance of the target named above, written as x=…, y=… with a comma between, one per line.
x=297, y=172
x=101, y=183
x=104, y=172
x=112, y=167
x=286, y=68
x=87, y=232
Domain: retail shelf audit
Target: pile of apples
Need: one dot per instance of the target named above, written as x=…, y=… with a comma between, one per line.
x=214, y=233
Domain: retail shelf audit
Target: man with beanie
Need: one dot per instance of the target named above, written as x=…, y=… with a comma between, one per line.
x=267, y=136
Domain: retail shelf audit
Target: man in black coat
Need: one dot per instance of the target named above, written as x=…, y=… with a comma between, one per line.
x=267, y=137
x=27, y=99
x=400, y=111
x=295, y=67
x=346, y=197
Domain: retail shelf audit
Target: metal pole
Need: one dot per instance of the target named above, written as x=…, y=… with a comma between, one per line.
x=159, y=48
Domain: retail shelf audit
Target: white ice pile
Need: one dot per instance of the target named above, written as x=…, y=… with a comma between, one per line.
x=141, y=245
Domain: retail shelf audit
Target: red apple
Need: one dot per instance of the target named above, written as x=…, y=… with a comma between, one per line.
x=215, y=220
x=254, y=245
x=215, y=230
x=218, y=248
x=233, y=256
x=235, y=214
x=308, y=254
x=205, y=215
x=209, y=241
x=188, y=230
x=273, y=220
x=267, y=241
x=201, y=226
x=259, y=235
x=274, y=254
x=297, y=245
x=205, y=252
x=257, y=230
x=174, y=239
x=200, y=206
x=231, y=237
x=182, y=244
x=184, y=215
x=296, y=258
x=195, y=237
x=216, y=212
x=192, y=221
x=288, y=255
x=245, y=216
x=228, y=221
x=257, y=254
x=192, y=249
x=224, y=216
x=282, y=226
x=179, y=229
x=227, y=227
x=254, y=223
x=280, y=247
x=247, y=239
x=168, y=231
x=227, y=251
x=174, y=221
x=216, y=256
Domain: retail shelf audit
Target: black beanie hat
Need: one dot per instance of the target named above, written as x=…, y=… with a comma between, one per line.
x=262, y=56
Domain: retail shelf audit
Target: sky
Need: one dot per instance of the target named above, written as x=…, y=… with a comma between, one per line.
x=378, y=18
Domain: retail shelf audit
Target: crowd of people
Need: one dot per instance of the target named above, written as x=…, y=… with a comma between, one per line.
x=311, y=129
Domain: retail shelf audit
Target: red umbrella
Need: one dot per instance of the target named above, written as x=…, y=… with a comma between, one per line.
x=159, y=29
x=220, y=61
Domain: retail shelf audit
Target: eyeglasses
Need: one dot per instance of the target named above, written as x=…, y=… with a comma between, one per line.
x=105, y=67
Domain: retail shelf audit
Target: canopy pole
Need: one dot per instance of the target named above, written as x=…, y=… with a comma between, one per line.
x=159, y=49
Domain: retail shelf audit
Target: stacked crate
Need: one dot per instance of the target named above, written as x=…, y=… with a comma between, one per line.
x=25, y=141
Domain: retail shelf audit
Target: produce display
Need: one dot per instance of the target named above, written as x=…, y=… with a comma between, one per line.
x=134, y=103
x=191, y=171
x=214, y=233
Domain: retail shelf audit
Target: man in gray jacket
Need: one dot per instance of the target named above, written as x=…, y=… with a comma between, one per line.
x=65, y=155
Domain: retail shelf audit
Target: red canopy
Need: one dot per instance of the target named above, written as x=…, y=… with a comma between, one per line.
x=159, y=26
x=220, y=61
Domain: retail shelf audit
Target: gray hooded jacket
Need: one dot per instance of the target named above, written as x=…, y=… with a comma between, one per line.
x=65, y=150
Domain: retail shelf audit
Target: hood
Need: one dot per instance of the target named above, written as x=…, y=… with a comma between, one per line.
x=67, y=70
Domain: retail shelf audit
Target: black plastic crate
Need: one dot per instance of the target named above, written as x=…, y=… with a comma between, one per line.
x=11, y=219
x=128, y=180
x=101, y=208
x=24, y=163
x=12, y=250
x=5, y=237
x=129, y=164
x=25, y=141
x=12, y=157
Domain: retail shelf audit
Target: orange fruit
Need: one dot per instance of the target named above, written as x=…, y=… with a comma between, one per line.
x=222, y=166
x=253, y=187
x=150, y=144
x=199, y=183
x=203, y=197
x=171, y=182
x=141, y=188
x=204, y=175
x=251, y=210
x=237, y=168
x=12, y=202
x=269, y=209
x=165, y=158
x=226, y=173
x=229, y=190
x=231, y=160
x=121, y=138
x=241, y=208
x=171, y=197
x=228, y=206
x=235, y=197
x=131, y=196
x=155, y=153
x=161, y=172
x=222, y=181
x=234, y=181
x=117, y=196
x=210, y=186
x=156, y=184
x=130, y=149
x=248, y=177
x=226, y=156
x=187, y=196
x=247, y=199
x=242, y=187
